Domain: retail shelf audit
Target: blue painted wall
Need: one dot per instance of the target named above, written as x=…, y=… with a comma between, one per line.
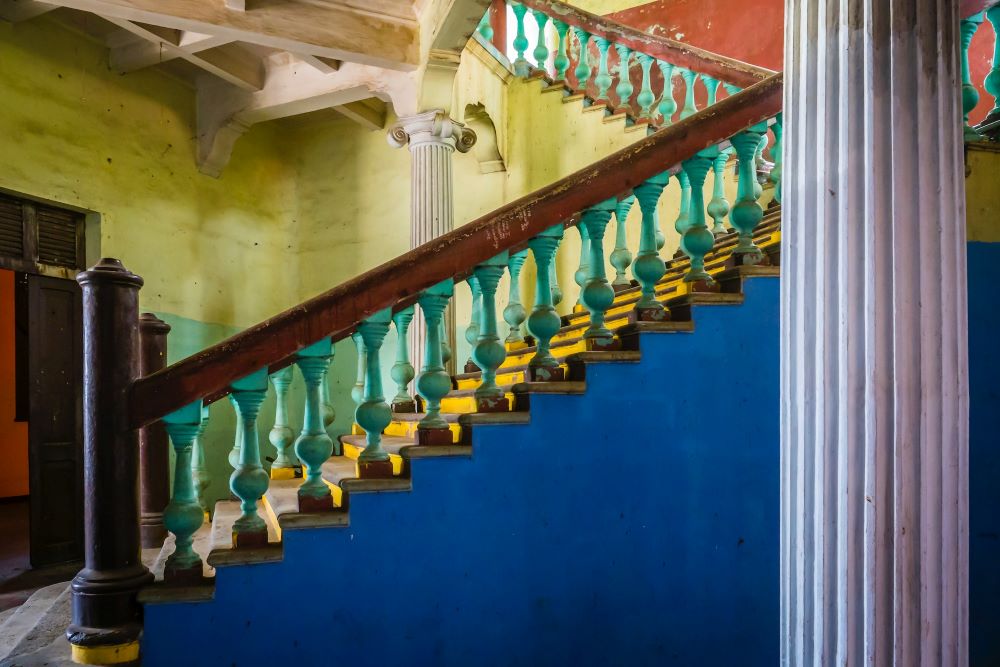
x=623, y=527
x=984, y=454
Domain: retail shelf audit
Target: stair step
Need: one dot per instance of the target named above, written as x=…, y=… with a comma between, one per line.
x=282, y=502
x=355, y=444
x=223, y=553
x=28, y=626
x=202, y=546
x=343, y=472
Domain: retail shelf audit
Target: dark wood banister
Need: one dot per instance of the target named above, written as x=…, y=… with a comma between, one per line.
x=968, y=8
x=678, y=53
x=337, y=311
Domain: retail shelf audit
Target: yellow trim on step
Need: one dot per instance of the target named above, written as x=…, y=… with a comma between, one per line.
x=464, y=405
x=354, y=451
x=282, y=473
x=272, y=516
x=558, y=353
x=114, y=654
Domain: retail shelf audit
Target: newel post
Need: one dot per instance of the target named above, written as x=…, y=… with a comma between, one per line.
x=154, y=457
x=106, y=619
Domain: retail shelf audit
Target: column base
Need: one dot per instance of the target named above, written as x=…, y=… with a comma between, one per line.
x=404, y=407
x=309, y=503
x=117, y=654
x=546, y=374
x=434, y=437
x=648, y=315
x=374, y=469
x=492, y=404
x=106, y=617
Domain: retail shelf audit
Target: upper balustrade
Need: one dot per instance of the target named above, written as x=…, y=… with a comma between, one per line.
x=976, y=12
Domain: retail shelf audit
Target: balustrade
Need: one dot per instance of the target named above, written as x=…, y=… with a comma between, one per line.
x=514, y=314
x=282, y=436
x=989, y=128
x=402, y=371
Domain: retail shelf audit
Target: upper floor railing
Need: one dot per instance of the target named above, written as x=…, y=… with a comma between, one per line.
x=975, y=13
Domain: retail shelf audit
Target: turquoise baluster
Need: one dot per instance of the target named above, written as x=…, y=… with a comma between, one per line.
x=282, y=436
x=583, y=68
x=690, y=78
x=970, y=96
x=712, y=85
x=484, y=27
x=776, y=153
x=747, y=213
x=681, y=223
x=434, y=383
x=603, y=78
x=759, y=162
x=183, y=515
x=646, y=97
x=697, y=240
x=489, y=353
x=667, y=106
x=445, y=349
x=649, y=267
x=992, y=82
x=374, y=414
x=541, y=52
x=621, y=257
x=358, y=390
x=718, y=207
x=580, y=277
x=561, y=62
x=234, y=453
x=731, y=89
x=472, y=331
x=326, y=408
x=199, y=468
x=624, y=88
x=514, y=314
x=521, y=65
x=557, y=295
x=597, y=295
x=314, y=446
x=402, y=372
x=544, y=322
x=249, y=481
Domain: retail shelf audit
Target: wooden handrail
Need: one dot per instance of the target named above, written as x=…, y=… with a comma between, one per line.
x=969, y=8
x=678, y=53
x=337, y=311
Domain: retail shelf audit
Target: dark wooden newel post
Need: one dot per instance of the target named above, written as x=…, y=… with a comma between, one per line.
x=106, y=618
x=154, y=457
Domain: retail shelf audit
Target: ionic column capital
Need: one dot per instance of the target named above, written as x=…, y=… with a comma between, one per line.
x=432, y=127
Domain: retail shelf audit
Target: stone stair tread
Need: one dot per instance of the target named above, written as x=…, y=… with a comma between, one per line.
x=562, y=387
x=417, y=416
x=25, y=619
x=494, y=418
x=223, y=553
x=343, y=472
x=283, y=499
x=605, y=356
x=409, y=449
x=202, y=546
x=390, y=443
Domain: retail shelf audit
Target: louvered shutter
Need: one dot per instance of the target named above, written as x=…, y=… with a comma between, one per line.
x=57, y=236
x=11, y=228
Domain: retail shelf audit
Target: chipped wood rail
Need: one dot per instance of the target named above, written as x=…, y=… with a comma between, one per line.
x=970, y=7
x=337, y=311
x=704, y=62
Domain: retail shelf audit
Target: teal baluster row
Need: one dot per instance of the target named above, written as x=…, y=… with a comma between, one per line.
x=541, y=52
x=358, y=390
x=402, y=372
x=624, y=88
x=970, y=96
x=314, y=446
x=557, y=295
x=747, y=213
x=668, y=105
x=434, y=383
x=514, y=314
x=521, y=65
x=326, y=407
x=690, y=108
x=621, y=256
x=249, y=480
x=561, y=62
x=472, y=331
x=649, y=266
x=489, y=353
x=234, y=453
x=697, y=239
x=544, y=322
x=281, y=435
x=580, y=277
x=374, y=414
x=992, y=82
x=199, y=467
x=681, y=223
x=776, y=152
x=583, y=68
x=183, y=515
x=718, y=207
x=597, y=295
x=712, y=86
x=603, y=79
x=646, y=97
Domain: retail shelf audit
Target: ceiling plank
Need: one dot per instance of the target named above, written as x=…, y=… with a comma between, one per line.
x=231, y=64
x=324, y=65
x=137, y=55
x=369, y=113
x=15, y=11
x=299, y=26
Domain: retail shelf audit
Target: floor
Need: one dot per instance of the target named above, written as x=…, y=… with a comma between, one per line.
x=17, y=579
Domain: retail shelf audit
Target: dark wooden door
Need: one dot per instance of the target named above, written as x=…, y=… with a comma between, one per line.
x=55, y=429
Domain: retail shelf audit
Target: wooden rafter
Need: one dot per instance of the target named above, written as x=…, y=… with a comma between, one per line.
x=137, y=55
x=22, y=10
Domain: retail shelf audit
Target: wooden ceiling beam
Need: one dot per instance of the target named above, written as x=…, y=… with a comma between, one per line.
x=369, y=114
x=136, y=55
x=299, y=26
x=14, y=11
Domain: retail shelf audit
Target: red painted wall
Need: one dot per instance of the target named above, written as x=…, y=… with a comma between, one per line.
x=753, y=31
x=13, y=435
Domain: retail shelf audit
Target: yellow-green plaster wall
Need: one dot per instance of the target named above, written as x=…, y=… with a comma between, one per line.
x=982, y=196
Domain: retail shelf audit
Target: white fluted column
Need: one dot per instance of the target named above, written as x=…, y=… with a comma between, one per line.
x=432, y=137
x=874, y=407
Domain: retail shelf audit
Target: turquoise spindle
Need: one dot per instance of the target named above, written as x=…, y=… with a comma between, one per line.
x=561, y=62
x=472, y=331
x=747, y=213
x=484, y=27
x=314, y=446
x=249, y=481
x=668, y=105
x=402, y=372
x=624, y=88
x=718, y=207
x=597, y=295
x=603, y=78
x=759, y=163
x=434, y=383
x=776, y=153
x=326, y=408
x=712, y=85
x=514, y=314
x=557, y=295
x=541, y=52
x=646, y=97
x=649, y=267
x=183, y=515
x=583, y=68
x=544, y=322
x=374, y=414
x=697, y=240
x=358, y=390
x=521, y=65
x=683, y=215
x=489, y=353
x=992, y=82
x=580, y=277
x=970, y=96
x=690, y=78
x=234, y=453
x=282, y=436
x=621, y=257
x=199, y=468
